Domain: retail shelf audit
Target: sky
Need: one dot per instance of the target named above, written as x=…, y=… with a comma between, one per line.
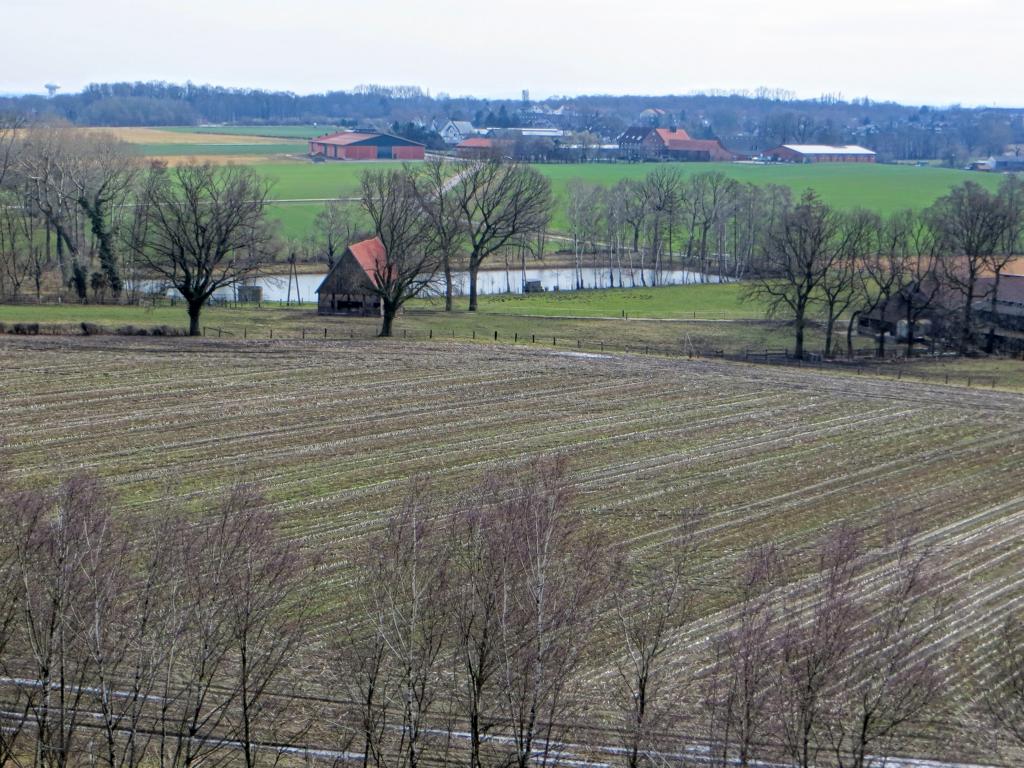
x=936, y=52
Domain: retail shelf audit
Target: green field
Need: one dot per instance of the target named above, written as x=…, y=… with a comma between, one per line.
x=882, y=188
x=336, y=430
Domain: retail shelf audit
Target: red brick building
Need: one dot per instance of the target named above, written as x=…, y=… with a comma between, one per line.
x=820, y=153
x=644, y=143
x=358, y=145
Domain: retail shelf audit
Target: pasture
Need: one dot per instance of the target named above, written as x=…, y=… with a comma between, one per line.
x=277, y=152
x=335, y=431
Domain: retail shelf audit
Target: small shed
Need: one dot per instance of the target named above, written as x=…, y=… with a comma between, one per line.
x=348, y=289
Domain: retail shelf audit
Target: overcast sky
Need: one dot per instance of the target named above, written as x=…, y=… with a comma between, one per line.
x=915, y=51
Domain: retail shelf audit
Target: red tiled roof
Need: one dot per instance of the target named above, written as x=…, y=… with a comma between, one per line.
x=371, y=256
x=667, y=135
x=475, y=142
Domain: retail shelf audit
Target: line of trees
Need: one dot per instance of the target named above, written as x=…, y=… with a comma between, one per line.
x=464, y=637
x=638, y=230
x=942, y=264
x=755, y=120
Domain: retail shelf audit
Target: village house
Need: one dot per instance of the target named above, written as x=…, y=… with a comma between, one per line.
x=649, y=143
x=364, y=145
x=455, y=131
x=820, y=153
x=348, y=289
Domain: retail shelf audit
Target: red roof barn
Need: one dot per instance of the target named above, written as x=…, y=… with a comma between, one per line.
x=361, y=145
x=348, y=288
x=671, y=144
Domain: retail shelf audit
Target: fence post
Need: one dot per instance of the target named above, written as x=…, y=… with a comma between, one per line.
x=495, y=335
x=554, y=342
x=533, y=338
x=430, y=333
x=474, y=334
x=245, y=332
x=325, y=333
x=271, y=333
x=516, y=337
x=303, y=334
x=204, y=330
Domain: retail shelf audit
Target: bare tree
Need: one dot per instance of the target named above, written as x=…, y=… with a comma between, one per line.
x=406, y=579
x=10, y=125
x=891, y=677
x=651, y=603
x=1011, y=195
x=737, y=694
x=1002, y=688
x=55, y=534
x=482, y=573
x=503, y=205
x=970, y=223
x=337, y=224
x=559, y=577
x=799, y=250
x=411, y=257
x=204, y=229
x=435, y=186
x=812, y=648
x=837, y=288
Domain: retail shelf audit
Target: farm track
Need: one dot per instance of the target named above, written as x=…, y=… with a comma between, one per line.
x=336, y=429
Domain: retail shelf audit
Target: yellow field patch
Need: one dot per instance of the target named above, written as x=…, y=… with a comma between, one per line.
x=135, y=135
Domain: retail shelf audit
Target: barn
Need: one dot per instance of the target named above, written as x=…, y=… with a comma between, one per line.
x=362, y=145
x=649, y=143
x=820, y=153
x=348, y=288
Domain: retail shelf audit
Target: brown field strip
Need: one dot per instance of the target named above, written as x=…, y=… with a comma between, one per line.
x=335, y=430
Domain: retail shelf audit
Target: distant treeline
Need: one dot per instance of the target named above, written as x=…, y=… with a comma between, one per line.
x=745, y=121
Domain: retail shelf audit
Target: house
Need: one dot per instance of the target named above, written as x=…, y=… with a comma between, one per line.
x=348, y=288
x=364, y=145
x=455, y=131
x=650, y=143
x=1007, y=311
x=820, y=153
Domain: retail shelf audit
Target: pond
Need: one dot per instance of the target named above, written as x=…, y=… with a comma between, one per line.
x=489, y=281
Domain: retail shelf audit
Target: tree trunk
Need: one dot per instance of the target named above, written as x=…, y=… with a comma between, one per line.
x=849, y=332
x=447, y=284
x=473, y=270
x=798, y=350
x=387, y=318
x=194, y=308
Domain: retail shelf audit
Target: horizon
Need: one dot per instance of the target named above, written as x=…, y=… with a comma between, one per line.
x=710, y=92
x=911, y=52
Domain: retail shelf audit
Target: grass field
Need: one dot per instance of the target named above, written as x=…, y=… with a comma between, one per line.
x=335, y=430
x=882, y=188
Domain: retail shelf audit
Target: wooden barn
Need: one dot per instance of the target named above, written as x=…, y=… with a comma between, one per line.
x=348, y=287
x=360, y=145
x=820, y=153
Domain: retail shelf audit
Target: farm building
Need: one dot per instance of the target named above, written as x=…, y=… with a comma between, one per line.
x=1006, y=163
x=348, y=287
x=648, y=143
x=820, y=153
x=361, y=145
x=477, y=147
